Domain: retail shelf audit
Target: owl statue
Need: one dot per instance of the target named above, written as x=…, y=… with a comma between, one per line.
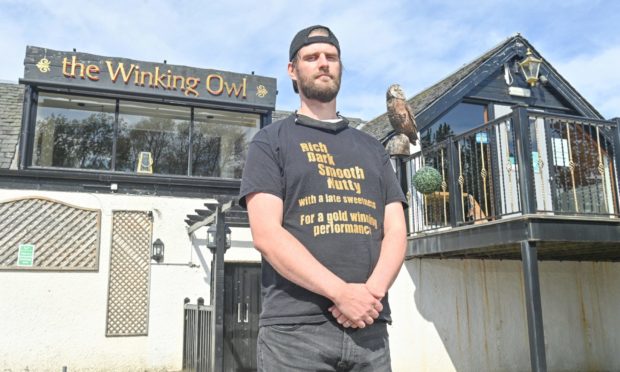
x=400, y=113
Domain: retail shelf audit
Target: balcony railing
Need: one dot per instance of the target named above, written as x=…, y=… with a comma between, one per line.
x=527, y=162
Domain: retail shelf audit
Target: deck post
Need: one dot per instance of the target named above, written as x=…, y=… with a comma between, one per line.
x=218, y=291
x=456, y=198
x=617, y=160
x=521, y=124
x=529, y=258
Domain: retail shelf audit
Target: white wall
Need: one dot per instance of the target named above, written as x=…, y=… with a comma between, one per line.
x=449, y=315
x=53, y=319
x=469, y=315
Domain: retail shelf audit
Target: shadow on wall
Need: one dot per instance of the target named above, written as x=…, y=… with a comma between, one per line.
x=199, y=247
x=477, y=308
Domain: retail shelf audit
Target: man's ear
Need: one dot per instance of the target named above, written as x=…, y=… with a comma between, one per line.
x=291, y=71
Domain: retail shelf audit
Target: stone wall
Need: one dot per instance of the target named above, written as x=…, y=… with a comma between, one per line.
x=11, y=102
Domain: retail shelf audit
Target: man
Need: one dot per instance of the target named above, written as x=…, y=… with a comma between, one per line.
x=326, y=213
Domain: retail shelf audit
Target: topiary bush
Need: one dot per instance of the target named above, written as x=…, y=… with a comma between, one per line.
x=427, y=180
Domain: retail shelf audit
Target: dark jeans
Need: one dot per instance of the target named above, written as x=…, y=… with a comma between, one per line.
x=323, y=347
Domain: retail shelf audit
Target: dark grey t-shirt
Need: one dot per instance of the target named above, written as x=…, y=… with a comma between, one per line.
x=334, y=186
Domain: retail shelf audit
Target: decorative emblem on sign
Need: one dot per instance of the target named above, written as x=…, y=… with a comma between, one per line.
x=261, y=91
x=44, y=65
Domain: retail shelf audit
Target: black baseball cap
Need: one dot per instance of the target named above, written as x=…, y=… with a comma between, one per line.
x=303, y=38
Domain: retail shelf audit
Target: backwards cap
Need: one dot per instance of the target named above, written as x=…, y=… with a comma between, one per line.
x=303, y=38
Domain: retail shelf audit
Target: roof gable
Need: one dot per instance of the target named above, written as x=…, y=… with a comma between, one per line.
x=435, y=100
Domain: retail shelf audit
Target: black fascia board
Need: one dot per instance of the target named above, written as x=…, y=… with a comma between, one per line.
x=512, y=231
x=468, y=237
x=99, y=182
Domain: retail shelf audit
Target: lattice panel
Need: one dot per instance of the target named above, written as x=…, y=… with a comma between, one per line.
x=128, y=292
x=65, y=237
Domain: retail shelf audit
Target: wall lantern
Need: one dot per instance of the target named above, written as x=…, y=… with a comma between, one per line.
x=158, y=251
x=530, y=67
x=212, y=237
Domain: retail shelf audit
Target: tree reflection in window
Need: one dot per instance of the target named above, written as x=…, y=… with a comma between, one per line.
x=74, y=132
x=79, y=132
x=161, y=130
x=221, y=140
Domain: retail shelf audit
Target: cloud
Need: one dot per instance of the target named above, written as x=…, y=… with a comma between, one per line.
x=414, y=44
x=596, y=77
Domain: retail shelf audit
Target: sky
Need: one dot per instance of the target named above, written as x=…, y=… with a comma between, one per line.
x=410, y=42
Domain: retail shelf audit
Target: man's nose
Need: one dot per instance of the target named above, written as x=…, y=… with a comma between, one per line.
x=323, y=60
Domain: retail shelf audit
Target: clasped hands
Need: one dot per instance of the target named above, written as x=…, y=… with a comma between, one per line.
x=357, y=305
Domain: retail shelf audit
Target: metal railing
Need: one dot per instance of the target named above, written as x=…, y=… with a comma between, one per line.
x=569, y=167
x=581, y=167
x=198, y=337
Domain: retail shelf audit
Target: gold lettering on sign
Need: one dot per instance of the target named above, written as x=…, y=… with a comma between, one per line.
x=191, y=83
x=233, y=88
x=216, y=86
x=156, y=78
x=71, y=68
x=220, y=81
x=92, y=69
x=120, y=69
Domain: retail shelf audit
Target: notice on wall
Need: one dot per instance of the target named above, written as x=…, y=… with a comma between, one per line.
x=25, y=255
x=482, y=137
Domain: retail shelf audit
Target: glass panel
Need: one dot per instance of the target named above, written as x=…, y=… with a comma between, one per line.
x=152, y=138
x=73, y=132
x=220, y=142
x=457, y=120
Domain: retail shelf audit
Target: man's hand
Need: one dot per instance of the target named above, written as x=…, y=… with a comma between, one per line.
x=356, y=306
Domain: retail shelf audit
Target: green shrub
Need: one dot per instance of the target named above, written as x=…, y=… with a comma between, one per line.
x=427, y=180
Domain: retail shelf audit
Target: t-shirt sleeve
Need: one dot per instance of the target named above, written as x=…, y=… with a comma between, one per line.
x=393, y=191
x=262, y=171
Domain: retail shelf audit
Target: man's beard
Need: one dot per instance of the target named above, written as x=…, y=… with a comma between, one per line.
x=321, y=93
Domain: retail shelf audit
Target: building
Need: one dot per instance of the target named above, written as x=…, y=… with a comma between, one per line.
x=91, y=182
x=114, y=156
x=529, y=172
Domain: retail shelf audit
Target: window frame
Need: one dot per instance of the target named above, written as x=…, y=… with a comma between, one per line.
x=487, y=113
x=29, y=119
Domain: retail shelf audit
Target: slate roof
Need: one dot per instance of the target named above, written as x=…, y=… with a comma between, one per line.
x=380, y=127
x=11, y=99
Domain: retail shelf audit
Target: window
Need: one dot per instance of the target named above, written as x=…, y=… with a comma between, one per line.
x=121, y=135
x=162, y=131
x=457, y=120
x=74, y=132
x=220, y=142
